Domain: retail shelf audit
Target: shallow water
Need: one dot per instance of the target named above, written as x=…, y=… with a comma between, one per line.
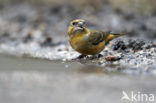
x=27, y=80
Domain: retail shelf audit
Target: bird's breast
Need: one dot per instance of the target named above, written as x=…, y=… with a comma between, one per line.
x=78, y=43
x=85, y=47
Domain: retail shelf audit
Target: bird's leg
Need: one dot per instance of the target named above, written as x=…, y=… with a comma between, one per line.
x=97, y=56
x=81, y=56
x=100, y=55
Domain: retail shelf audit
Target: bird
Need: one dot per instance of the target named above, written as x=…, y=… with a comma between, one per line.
x=87, y=41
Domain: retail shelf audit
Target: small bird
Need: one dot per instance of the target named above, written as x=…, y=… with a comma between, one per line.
x=87, y=41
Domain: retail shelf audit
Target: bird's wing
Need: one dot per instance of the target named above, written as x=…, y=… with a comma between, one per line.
x=95, y=37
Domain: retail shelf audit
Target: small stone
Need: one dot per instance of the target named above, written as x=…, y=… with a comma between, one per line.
x=112, y=58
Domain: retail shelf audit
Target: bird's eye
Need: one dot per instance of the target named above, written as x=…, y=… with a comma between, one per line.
x=74, y=23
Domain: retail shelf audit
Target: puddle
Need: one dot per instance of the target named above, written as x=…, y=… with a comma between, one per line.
x=30, y=80
x=26, y=64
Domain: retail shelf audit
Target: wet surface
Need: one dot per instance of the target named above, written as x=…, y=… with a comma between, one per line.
x=35, y=80
x=38, y=65
x=127, y=55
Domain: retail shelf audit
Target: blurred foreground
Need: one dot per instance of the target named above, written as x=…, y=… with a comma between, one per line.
x=27, y=80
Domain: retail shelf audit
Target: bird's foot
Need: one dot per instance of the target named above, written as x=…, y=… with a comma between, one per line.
x=82, y=56
x=96, y=56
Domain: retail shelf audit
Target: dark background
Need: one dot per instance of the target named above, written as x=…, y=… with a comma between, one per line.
x=18, y=18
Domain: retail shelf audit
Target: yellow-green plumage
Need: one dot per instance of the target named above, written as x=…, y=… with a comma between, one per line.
x=86, y=41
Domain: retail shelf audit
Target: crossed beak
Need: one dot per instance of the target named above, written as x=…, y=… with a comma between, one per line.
x=81, y=24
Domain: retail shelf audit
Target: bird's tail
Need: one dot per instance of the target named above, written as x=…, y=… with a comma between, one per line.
x=117, y=34
x=111, y=36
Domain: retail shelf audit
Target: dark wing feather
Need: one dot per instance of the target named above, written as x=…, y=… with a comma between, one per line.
x=96, y=37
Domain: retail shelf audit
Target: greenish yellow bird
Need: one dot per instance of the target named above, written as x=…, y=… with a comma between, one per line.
x=87, y=41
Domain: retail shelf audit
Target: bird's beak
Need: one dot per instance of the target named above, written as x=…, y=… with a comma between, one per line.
x=80, y=24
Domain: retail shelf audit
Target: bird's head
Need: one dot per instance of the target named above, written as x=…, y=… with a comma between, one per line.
x=77, y=26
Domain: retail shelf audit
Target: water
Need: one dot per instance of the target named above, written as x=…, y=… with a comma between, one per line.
x=27, y=80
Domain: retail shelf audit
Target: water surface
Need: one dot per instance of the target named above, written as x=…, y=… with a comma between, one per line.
x=27, y=80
